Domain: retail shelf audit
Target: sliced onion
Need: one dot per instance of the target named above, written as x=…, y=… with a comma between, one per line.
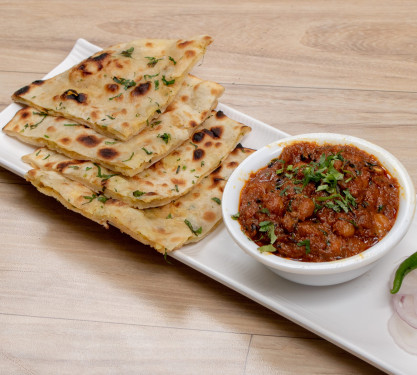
x=409, y=285
x=403, y=323
x=403, y=334
x=404, y=305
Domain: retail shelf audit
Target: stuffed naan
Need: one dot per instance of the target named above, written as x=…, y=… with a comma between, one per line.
x=165, y=228
x=191, y=107
x=119, y=90
x=166, y=180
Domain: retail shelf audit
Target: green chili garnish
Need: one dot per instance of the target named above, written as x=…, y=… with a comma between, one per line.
x=403, y=269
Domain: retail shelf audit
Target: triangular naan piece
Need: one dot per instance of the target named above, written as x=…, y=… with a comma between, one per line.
x=166, y=228
x=201, y=207
x=119, y=89
x=166, y=180
x=159, y=233
x=189, y=109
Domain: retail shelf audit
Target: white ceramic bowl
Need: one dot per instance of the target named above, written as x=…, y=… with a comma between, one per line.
x=323, y=273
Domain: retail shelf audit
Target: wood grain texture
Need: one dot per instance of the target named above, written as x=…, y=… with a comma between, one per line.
x=76, y=298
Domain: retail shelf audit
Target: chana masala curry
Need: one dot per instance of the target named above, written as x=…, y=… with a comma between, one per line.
x=319, y=203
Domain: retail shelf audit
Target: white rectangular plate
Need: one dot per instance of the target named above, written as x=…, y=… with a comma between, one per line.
x=353, y=315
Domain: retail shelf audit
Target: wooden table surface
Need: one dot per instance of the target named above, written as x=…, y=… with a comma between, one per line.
x=78, y=299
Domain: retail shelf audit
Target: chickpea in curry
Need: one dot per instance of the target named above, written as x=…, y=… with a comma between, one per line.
x=319, y=203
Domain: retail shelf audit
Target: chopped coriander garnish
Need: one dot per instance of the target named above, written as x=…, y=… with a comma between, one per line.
x=110, y=143
x=156, y=82
x=165, y=137
x=71, y=124
x=103, y=176
x=110, y=117
x=147, y=76
x=236, y=216
x=305, y=243
x=128, y=52
x=166, y=257
x=124, y=82
x=152, y=61
x=196, y=232
x=138, y=193
x=155, y=123
x=44, y=114
x=194, y=144
x=172, y=59
x=269, y=228
x=46, y=136
x=167, y=83
x=46, y=157
x=114, y=97
x=90, y=199
x=38, y=152
x=217, y=200
x=102, y=199
x=130, y=158
x=267, y=249
x=147, y=152
x=265, y=211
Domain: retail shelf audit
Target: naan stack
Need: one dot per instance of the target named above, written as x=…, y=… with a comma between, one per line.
x=128, y=137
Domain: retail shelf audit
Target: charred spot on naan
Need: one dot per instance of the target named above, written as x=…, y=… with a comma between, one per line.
x=38, y=82
x=112, y=88
x=71, y=94
x=108, y=153
x=23, y=90
x=140, y=90
x=198, y=154
x=183, y=44
x=214, y=132
x=216, y=179
x=178, y=181
x=115, y=202
x=24, y=112
x=90, y=66
x=65, y=141
x=209, y=216
x=220, y=115
x=88, y=140
x=65, y=164
x=95, y=115
x=198, y=137
x=190, y=54
x=232, y=164
x=99, y=58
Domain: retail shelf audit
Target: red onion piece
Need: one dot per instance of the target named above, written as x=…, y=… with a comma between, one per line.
x=404, y=305
x=403, y=323
x=403, y=334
